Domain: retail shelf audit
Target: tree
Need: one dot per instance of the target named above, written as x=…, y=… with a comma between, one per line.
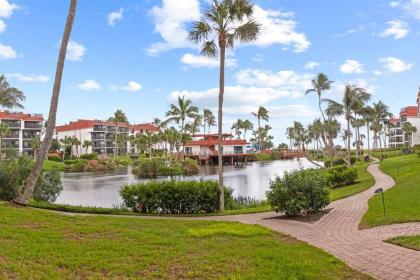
x=35, y=145
x=368, y=116
x=4, y=131
x=320, y=84
x=236, y=127
x=27, y=190
x=261, y=114
x=230, y=21
x=86, y=145
x=10, y=97
x=353, y=99
x=380, y=114
x=409, y=130
x=208, y=119
x=118, y=118
x=55, y=146
x=246, y=126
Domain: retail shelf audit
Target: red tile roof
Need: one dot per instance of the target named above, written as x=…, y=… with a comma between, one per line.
x=83, y=124
x=214, y=142
x=145, y=127
x=20, y=116
x=410, y=111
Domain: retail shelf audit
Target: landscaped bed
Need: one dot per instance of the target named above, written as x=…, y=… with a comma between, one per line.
x=411, y=242
x=41, y=245
x=402, y=201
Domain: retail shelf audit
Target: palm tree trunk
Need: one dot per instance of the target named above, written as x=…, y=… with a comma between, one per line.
x=368, y=136
x=26, y=191
x=222, y=45
x=259, y=133
x=348, y=142
x=319, y=105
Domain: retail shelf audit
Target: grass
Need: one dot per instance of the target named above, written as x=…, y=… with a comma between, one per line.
x=49, y=165
x=365, y=182
x=387, y=153
x=37, y=244
x=411, y=242
x=402, y=201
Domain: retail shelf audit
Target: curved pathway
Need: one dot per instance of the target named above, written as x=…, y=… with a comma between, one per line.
x=337, y=232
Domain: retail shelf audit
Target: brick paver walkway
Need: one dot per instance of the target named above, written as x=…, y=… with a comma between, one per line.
x=337, y=232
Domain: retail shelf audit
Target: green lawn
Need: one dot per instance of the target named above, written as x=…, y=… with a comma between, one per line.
x=412, y=242
x=49, y=165
x=365, y=181
x=387, y=153
x=402, y=201
x=36, y=244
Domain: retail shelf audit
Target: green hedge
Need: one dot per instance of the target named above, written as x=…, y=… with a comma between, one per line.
x=90, y=156
x=340, y=176
x=339, y=161
x=174, y=197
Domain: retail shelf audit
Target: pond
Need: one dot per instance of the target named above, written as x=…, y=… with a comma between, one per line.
x=102, y=190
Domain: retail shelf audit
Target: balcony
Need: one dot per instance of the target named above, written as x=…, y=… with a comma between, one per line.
x=100, y=128
x=30, y=134
x=124, y=129
x=12, y=123
x=98, y=135
x=10, y=144
x=13, y=134
x=33, y=125
x=112, y=129
x=98, y=144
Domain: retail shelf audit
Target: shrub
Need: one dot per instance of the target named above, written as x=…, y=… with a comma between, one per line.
x=169, y=169
x=54, y=157
x=90, y=156
x=299, y=192
x=190, y=167
x=242, y=202
x=145, y=168
x=13, y=173
x=174, y=197
x=341, y=175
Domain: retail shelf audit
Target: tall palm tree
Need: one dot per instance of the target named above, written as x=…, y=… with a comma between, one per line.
x=236, y=127
x=229, y=21
x=261, y=114
x=352, y=99
x=118, y=118
x=368, y=116
x=380, y=114
x=246, y=126
x=210, y=120
x=4, y=131
x=26, y=191
x=320, y=84
x=409, y=130
x=206, y=115
x=86, y=145
x=10, y=97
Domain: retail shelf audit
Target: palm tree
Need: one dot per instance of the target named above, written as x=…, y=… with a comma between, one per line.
x=35, y=145
x=210, y=120
x=352, y=100
x=230, y=21
x=75, y=142
x=10, y=97
x=207, y=114
x=118, y=118
x=236, y=127
x=380, y=114
x=409, y=130
x=368, y=116
x=320, y=84
x=4, y=131
x=27, y=190
x=247, y=125
x=262, y=113
x=86, y=145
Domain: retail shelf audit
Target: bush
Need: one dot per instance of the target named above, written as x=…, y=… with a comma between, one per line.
x=90, y=156
x=340, y=176
x=190, y=167
x=13, y=173
x=146, y=168
x=339, y=161
x=174, y=197
x=169, y=169
x=54, y=157
x=299, y=192
x=242, y=202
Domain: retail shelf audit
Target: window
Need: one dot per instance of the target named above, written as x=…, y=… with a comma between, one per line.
x=238, y=149
x=188, y=150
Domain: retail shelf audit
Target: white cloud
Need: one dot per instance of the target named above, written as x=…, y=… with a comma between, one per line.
x=352, y=67
x=393, y=64
x=311, y=65
x=28, y=78
x=394, y=4
x=360, y=28
x=377, y=72
x=258, y=58
x=6, y=9
x=115, y=16
x=278, y=28
x=89, y=85
x=202, y=61
x=132, y=86
x=292, y=111
x=2, y=26
x=170, y=21
x=396, y=28
x=7, y=52
x=413, y=8
x=337, y=89
x=75, y=51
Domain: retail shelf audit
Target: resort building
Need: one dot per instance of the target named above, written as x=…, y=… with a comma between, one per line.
x=204, y=148
x=22, y=128
x=397, y=136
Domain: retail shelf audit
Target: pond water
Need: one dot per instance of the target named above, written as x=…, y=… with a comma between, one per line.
x=102, y=190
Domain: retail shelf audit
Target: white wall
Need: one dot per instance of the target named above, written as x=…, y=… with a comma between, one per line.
x=81, y=134
x=416, y=136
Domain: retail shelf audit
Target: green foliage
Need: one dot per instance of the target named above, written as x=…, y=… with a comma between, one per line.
x=54, y=157
x=174, y=197
x=341, y=175
x=13, y=173
x=190, y=167
x=82, y=165
x=245, y=202
x=339, y=161
x=146, y=168
x=260, y=157
x=90, y=156
x=299, y=192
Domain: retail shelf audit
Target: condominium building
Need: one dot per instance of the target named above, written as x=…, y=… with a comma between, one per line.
x=22, y=129
x=397, y=136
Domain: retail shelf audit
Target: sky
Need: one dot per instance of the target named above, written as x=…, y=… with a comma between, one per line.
x=134, y=55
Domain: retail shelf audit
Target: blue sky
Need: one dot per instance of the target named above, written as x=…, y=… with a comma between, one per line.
x=133, y=55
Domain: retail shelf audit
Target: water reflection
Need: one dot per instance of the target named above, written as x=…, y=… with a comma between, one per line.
x=102, y=190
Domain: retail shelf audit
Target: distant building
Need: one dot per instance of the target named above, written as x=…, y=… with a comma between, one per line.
x=204, y=148
x=22, y=129
x=397, y=137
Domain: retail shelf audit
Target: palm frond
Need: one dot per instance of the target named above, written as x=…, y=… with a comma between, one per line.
x=209, y=49
x=247, y=32
x=200, y=32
